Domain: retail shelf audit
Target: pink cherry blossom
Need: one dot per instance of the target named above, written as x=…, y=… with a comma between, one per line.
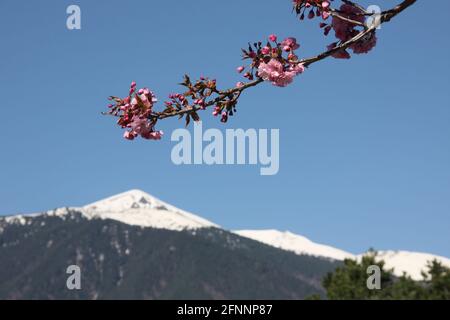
x=345, y=30
x=216, y=111
x=129, y=135
x=275, y=72
x=273, y=38
x=224, y=117
x=289, y=44
x=366, y=44
x=135, y=113
x=265, y=50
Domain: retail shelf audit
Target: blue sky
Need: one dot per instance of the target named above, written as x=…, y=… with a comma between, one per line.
x=364, y=150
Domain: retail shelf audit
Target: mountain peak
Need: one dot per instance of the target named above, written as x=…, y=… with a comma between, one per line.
x=136, y=207
x=132, y=199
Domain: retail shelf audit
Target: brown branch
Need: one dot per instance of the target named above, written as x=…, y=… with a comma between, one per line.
x=307, y=62
x=222, y=96
x=386, y=16
x=336, y=13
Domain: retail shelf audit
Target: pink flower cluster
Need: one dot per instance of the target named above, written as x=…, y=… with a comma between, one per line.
x=270, y=64
x=279, y=75
x=281, y=72
x=345, y=30
x=316, y=8
x=134, y=112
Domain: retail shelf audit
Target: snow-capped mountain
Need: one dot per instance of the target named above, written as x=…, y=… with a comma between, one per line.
x=137, y=208
x=412, y=263
x=133, y=207
x=295, y=243
x=134, y=246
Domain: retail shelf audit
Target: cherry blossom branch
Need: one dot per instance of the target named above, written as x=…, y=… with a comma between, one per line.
x=223, y=95
x=345, y=45
x=386, y=16
x=268, y=63
x=336, y=13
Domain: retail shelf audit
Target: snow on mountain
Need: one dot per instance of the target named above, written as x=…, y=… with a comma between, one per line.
x=413, y=263
x=135, y=208
x=138, y=208
x=295, y=243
